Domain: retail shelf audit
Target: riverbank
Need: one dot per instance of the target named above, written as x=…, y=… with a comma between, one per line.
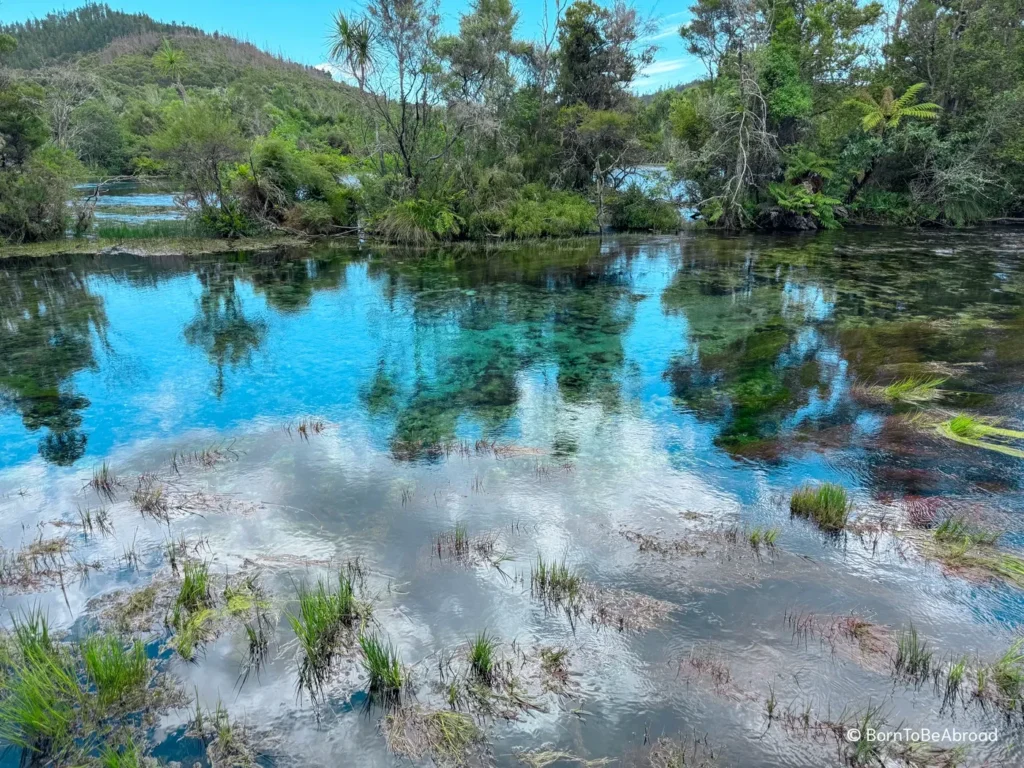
x=157, y=246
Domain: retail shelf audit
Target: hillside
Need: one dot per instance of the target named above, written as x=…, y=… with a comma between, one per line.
x=102, y=69
x=66, y=35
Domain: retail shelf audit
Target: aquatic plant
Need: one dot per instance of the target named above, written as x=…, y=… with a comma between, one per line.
x=104, y=481
x=864, y=751
x=116, y=672
x=193, y=608
x=828, y=505
x=149, y=499
x=125, y=755
x=39, y=697
x=482, y=656
x=555, y=580
x=977, y=433
x=324, y=613
x=448, y=737
x=195, y=586
x=380, y=660
x=759, y=537
x=914, y=390
x=1007, y=675
x=913, y=659
x=957, y=530
x=955, y=675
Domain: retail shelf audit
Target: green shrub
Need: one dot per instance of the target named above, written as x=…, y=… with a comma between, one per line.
x=795, y=198
x=314, y=217
x=536, y=213
x=33, y=198
x=418, y=222
x=827, y=505
x=635, y=211
x=228, y=221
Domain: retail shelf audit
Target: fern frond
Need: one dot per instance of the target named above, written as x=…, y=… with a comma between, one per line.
x=871, y=121
x=909, y=96
x=861, y=104
x=918, y=112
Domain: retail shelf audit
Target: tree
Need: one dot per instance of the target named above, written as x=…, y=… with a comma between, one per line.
x=887, y=112
x=882, y=115
x=350, y=46
x=170, y=62
x=600, y=52
x=197, y=141
x=67, y=89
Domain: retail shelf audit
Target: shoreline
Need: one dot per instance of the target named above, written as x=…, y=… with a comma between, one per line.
x=158, y=246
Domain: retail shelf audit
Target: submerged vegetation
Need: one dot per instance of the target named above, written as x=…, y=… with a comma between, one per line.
x=981, y=434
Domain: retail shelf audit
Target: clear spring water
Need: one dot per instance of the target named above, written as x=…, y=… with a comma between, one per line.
x=668, y=386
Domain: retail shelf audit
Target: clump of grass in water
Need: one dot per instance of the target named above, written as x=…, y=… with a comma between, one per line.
x=380, y=660
x=115, y=671
x=955, y=675
x=448, y=737
x=192, y=608
x=556, y=581
x=482, y=656
x=957, y=530
x=914, y=390
x=40, y=690
x=827, y=505
x=979, y=434
x=1008, y=676
x=763, y=537
x=323, y=615
x=454, y=543
x=127, y=755
x=913, y=659
x=104, y=481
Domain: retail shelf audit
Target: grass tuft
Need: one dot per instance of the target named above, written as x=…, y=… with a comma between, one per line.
x=380, y=660
x=116, y=672
x=556, y=581
x=483, y=656
x=914, y=390
x=827, y=505
x=913, y=659
x=324, y=614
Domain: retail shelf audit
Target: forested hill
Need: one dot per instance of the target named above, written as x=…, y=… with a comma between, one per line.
x=63, y=36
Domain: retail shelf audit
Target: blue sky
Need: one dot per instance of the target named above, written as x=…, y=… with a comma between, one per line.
x=298, y=29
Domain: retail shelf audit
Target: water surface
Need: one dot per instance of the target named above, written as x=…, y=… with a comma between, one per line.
x=668, y=386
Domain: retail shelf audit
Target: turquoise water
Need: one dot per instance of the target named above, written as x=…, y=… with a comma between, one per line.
x=670, y=386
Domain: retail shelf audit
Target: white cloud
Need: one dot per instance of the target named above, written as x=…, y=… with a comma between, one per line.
x=663, y=67
x=339, y=73
x=669, y=31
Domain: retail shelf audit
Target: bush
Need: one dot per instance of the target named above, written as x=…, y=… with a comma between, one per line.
x=314, y=217
x=418, y=222
x=33, y=198
x=636, y=211
x=536, y=213
x=227, y=221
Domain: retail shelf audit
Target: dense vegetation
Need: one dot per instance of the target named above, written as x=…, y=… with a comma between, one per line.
x=812, y=114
